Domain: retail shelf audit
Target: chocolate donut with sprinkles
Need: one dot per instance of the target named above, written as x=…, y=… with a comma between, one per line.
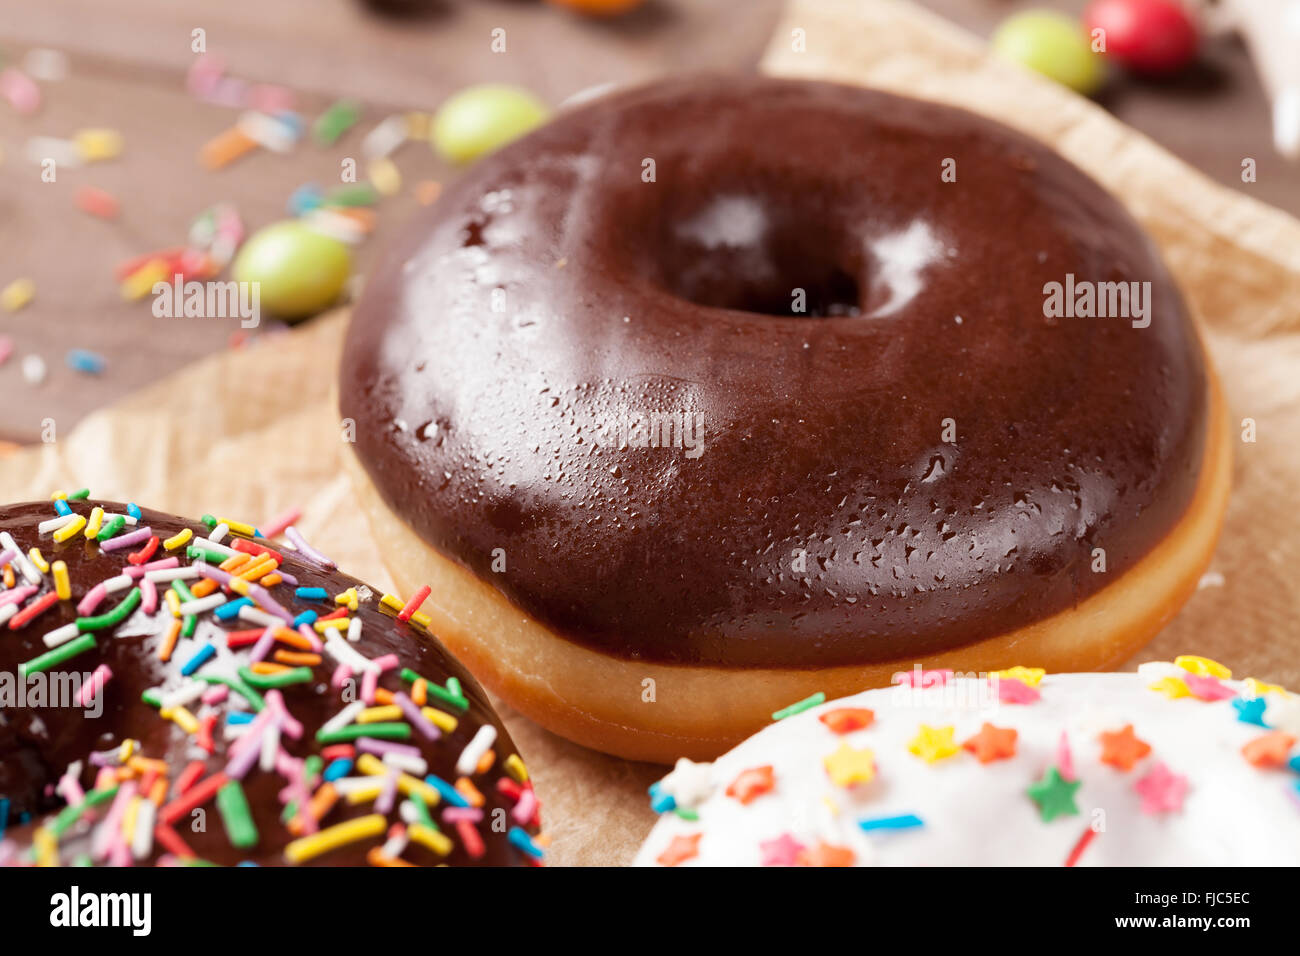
x=182, y=693
x=1176, y=765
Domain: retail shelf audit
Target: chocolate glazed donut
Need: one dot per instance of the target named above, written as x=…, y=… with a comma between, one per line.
x=66, y=764
x=718, y=391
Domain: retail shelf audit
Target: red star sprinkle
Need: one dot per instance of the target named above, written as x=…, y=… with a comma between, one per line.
x=1208, y=688
x=992, y=743
x=824, y=854
x=1012, y=691
x=845, y=720
x=1269, y=750
x=751, y=784
x=1121, y=749
x=783, y=851
x=681, y=849
x=1161, y=790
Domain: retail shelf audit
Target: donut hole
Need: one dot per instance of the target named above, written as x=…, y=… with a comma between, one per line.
x=740, y=253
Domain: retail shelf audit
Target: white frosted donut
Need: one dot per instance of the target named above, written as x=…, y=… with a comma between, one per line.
x=1195, y=781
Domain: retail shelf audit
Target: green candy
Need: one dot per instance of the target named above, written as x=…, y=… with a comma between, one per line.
x=335, y=121
x=1053, y=44
x=480, y=119
x=236, y=816
x=57, y=656
x=194, y=553
x=357, y=194
x=299, y=271
x=380, y=731
x=111, y=529
x=238, y=686
x=445, y=695
x=114, y=617
x=298, y=675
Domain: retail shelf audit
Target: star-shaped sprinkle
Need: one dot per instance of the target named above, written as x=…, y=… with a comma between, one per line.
x=1250, y=710
x=1162, y=791
x=1054, y=795
x=1202, y=666
x=825, y=854
x=680, y=849
x=689, y=783
x=1269, y=750
x=992, y=743
x=1171, y=687
x=1257, y=688
x=782, y=851
x=661, y=802
x=933, y=743
x=847, y=766
x=845, y=720
x=752, y=784
x=1029, y=676
x=1208, y=688
x=1154, y=670
x=1121, y=749
x=1013, y=691
x=1283, y=713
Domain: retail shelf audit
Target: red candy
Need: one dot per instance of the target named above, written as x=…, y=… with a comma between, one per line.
x=1149, y=36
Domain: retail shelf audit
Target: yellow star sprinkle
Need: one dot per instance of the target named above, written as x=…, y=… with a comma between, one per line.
x=1171, y=687
x=1257, y=688
x=1202, y=666
x=1029, y=676
x=933, y=743
x=847, y=766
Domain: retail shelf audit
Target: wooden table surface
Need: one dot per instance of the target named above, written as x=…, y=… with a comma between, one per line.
x=128, y=64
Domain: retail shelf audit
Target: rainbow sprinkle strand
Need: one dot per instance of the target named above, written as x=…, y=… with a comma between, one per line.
x=238, y=636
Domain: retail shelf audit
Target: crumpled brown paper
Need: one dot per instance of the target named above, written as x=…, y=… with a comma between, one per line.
x=253, y=432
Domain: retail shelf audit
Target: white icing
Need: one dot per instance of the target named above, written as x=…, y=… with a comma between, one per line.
x=979, y=814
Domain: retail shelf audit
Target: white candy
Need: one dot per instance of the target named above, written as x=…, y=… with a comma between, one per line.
x=34, y=370
x=172, y=574
x=25, y=566
x=46, y=65
x=416, y=766
x=199, y=605
x=267, y=132
x=386, y=137
x=689, y=783
x=344, y=717
x=475, y=749
x=41, y=149
x=54, y=524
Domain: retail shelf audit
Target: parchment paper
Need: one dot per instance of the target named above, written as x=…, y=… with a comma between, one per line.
x=253, y=432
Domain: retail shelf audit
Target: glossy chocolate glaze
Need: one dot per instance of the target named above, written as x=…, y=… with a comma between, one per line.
x=823, y=432
x=38, y=744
